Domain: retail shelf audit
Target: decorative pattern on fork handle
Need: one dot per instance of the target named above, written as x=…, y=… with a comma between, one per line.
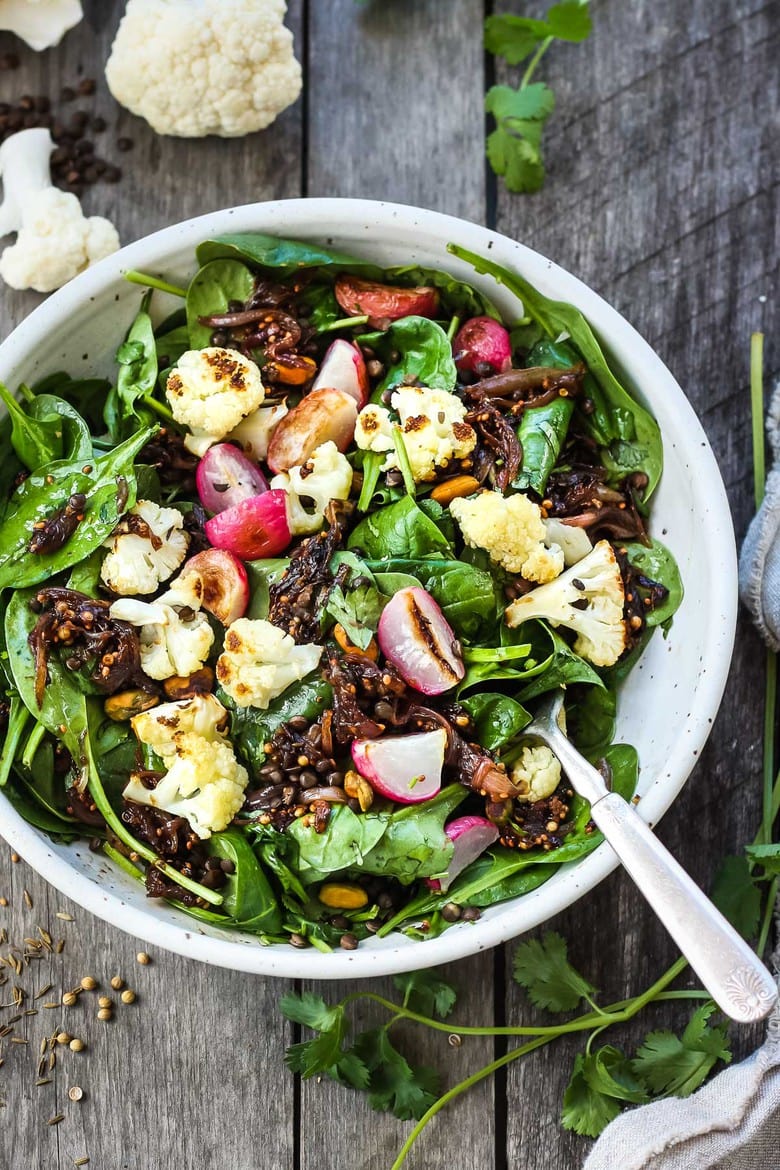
x=746, y=991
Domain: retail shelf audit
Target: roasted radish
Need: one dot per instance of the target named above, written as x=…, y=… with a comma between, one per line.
x=321, y=416
x=223, y=583
x=343, y=368
x=253, y=434
x=225, y=477
x=254, y=528
x=482, y=346
x=414, y=635
x=383, y=303
x=404, y=768
x=470, y=837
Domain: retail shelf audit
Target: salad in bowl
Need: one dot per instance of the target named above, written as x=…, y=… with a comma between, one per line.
x=280, y=596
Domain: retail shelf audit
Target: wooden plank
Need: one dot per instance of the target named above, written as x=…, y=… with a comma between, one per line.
x=395, y=112
x=659, y=195
x=163, y=1083
x=395, y=103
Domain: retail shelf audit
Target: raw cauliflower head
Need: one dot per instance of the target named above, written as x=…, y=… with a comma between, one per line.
x=260, y=661
x=55, y=242
x=326, y=475
x=205, y=784
x=433, y=429
x=148, y=544
x=210, y=391
x=511, y=530
x=174, y=642
x=197, y=67
x=161, y=727
x=537, y=774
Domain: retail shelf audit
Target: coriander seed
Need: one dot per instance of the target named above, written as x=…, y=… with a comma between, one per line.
x=88, y=983
x=70, y=999
x=104, y=1001
x=117, y=983
x=143, y=958
x=75, y=1092
x=105, y=1014
x=76, y=1045
x=64, y=1038
x=128, y=996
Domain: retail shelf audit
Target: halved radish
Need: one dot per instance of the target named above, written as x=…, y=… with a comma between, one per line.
x=415, y=636
x=253, y=434
x=482, y=346
x=224, y=585
x=384, y=302
x=322, y=415
x=470, y=837
x=254, y=528
x=404, y=768
x=225, y=477
x=343, y=368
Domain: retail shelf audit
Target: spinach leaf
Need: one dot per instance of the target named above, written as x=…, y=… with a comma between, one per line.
x=86, y=395
x=441, y=516
x=543, y=429
x=286, y=257
x=76, y=435
x=425, y=354
x=64, y=709
x=498, y=719
x=137, y=361
x=172, y=339
x=35, y=814
x=358, y=611
x=262, y=575
x=565, y=668
x=468, y=596
x=110, y=488
x=10, y=466
x=251, y=728
x=399, y=530
x=658, y=564
x=211, y=290
x=457, y=299
x=247, y=894
x=41, y=784
x=590, y=716
x=415, y=844
x=345, y=844
x=635, y=439
x=390, y=583
x=36, y=441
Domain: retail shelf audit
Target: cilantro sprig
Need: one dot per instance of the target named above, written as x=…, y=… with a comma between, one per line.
x=514, y=147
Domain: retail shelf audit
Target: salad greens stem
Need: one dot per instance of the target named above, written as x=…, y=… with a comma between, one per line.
x=343, y=323
x=18, y=718
x=403, y=461
x=496, y=654
x=142, y=278
x=372, y=465
x=123, y=862
x=532, y=64
x=158, y=407
x=33, y=743
x=454, y=326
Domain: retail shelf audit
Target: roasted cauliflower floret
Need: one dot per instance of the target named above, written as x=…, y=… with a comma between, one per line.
x=205, y=783
x=433, y=429
x=326, y=475
x=162, y=726
x=588, y=598
x=174, y=641
x=148, y=544
x=210, y=391
x=511, y=530
x=537, y=774
x=260, y=661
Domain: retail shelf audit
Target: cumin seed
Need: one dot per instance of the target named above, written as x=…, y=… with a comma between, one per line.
x=43, y=1081
x=56, y=1119
x=63, y=914
x=27, y=899
x=43, y=991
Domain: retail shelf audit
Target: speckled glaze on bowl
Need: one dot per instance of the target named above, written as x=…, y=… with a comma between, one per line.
x=669, y=701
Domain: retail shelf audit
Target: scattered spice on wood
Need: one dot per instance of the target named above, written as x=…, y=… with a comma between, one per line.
x=143, y=958
x=75, y=1093
x=128, y=996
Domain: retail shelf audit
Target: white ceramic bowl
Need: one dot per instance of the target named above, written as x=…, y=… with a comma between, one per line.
x=669, y=701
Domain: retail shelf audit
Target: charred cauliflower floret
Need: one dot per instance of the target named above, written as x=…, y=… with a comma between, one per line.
x=176, y=639
x=148, y=544
x=512, y=532
x=260, y=661
x=326, y=475
x=588, y=598
x=537, y=774
x=433, y=429
x=161, y=727
x=210, y=391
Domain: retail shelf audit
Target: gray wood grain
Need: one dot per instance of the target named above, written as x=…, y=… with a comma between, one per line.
x=661, y=195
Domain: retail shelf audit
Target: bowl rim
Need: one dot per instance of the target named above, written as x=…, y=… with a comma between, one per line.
x=393, y=956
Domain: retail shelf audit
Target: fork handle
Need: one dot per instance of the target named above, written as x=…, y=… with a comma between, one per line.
x=732, y=973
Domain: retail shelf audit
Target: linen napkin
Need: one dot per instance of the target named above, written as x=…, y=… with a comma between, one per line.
x=732, y=1123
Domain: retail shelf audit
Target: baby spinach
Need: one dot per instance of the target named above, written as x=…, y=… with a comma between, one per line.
x=251, y=728
x=357, y=610
x=110, y=487
x=497, y=718
x=286, y=256
x=247, y=895
x=346, y=842
x=425, y=354
x=399, y=530
x=76, y=437
x=635, y=437
x=211, y=290
x=36, y=441
x=35, y=814
x=563, y=669
x=543, y=429
x=657, y=563
x=137, y=378
x=262, y=575
x=86, y=395
x=591, y=716
x=467, y=595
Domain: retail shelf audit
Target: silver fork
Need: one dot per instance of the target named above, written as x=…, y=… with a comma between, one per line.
x=734, y=976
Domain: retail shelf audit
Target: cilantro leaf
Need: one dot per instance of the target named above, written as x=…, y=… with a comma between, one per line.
x=325, y=1050
x=395, y=1085
x=351, y=1071
x=514, y=147
x=586, y=1110
x=676, y=1065
x=309, y=1009
x=426, y=994
x=736, y=895
x=608, y=1071
x=542, y=967
x=515, y=37
x=570, y=21
x=529, y=103
x=766, y=855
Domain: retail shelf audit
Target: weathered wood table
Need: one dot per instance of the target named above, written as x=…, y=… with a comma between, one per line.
x=660, y=196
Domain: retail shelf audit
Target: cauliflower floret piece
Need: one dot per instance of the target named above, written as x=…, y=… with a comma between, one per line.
x=210, y=391
x=162, y=727
x=173, y=641
x=260, y=661
x=537, y=773
x=574, y=541
x=432, y=426
x=205, y=783
x=596, y=581
x=326, y=475
x=148, y=544
x=511, y=530
x=253, y=434
x=196, y=67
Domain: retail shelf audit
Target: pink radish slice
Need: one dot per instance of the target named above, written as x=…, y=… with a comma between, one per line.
x=482, y=342
x=470, y=837
x=414, y=635
x=224, y=585
x=405, y=768
x=320, y=416
x=254, y=528
x=343, y=368
x=225, y=477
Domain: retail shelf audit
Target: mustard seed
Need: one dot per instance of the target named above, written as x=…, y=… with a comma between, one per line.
x=75, y=1092
x=70, y=999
